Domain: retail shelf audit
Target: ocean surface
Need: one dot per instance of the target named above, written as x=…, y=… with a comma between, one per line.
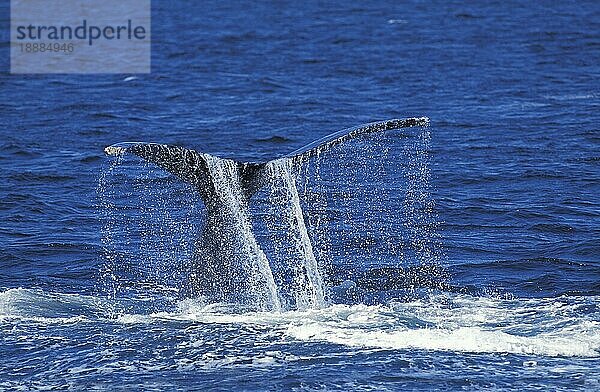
x=464, y=255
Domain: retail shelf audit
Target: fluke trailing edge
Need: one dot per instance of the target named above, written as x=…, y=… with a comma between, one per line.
x=229, y=265
x=192, y=167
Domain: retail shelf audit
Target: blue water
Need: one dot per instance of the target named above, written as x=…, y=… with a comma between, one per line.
x=478, y=268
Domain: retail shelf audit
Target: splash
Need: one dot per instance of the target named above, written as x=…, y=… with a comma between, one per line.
x=253, y=262
x=301, y=269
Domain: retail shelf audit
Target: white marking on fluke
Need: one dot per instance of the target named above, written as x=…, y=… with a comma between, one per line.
x=114, y=150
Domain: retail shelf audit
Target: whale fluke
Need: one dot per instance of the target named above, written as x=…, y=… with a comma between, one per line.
x=192, y=167
x=228, y=260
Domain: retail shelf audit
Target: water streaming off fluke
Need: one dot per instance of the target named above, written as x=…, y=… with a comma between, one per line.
x=267, y=236
x=239, y=267
x=301, y=269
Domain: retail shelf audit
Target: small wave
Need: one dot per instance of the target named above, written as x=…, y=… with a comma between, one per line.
x=30, y=176
x=557, y=228
x=572, y=97
x=533, y=277
x=44, y=307
x=19, y=150
x=103, y=115
x=592, y=160
x=465, y=15
x=274, y=139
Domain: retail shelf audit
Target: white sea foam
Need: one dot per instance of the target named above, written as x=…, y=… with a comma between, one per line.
x=463, y=324
x=562, y=326
x=549, y=327
x=465, y=339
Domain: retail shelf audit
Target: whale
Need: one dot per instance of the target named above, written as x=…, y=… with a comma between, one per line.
x=228, y=261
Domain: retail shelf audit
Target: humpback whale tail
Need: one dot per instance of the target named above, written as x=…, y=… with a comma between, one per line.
x=228, y=259
x=193, y=167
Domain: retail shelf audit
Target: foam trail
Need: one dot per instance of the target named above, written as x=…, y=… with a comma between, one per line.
x=227, y=187
x=306, y=284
